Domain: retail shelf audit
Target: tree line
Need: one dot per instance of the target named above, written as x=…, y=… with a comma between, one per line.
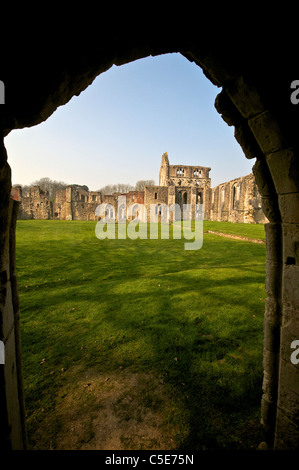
x=125, y=188
x=52, y=186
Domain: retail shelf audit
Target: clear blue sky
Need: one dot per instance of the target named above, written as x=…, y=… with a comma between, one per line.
x=118, y=128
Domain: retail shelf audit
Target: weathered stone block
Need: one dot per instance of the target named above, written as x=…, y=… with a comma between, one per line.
x=289, y=333
x=227, y=109
x=267, y=413
x=7, y=312
x=288, y=396
x=280, y=445
x=271, y=336
x=11, y=386
x=290, y=290
x=273, y=241
x=270, y=209
x=290, y=318
x=270, y=363
x=273, y=279
x=267, y=132
x=244, y=137
x=290, y=243
x=289, y=207
x=287, y=433
x=245, y=97
x=216, y=71
x=284, y=170
x=272, y=310
x=263, y=178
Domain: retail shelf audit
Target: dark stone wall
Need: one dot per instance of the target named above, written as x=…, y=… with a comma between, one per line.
x=44, y=66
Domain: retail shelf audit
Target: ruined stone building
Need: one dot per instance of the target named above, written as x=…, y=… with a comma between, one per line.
x=254, y=74
x=235, y=201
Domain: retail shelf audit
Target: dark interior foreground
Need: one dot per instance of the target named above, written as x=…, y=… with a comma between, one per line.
x=255, y=87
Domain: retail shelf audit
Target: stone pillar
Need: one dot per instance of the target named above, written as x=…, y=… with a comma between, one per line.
x=287, y=421
x=12, y=421
x=193, y=202
x=69, y=203
x=272, y=323
x=171, y=201
x=273, y=306
x=284, y=168
x=277, y=174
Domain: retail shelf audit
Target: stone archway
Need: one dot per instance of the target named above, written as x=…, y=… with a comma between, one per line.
x=264, y=128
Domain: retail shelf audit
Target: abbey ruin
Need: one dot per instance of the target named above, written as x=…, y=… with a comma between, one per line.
x=235, y=201
x=253, y=73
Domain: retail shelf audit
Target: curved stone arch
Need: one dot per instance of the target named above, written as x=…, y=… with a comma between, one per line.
x=261, y=137
x=135, y=211
x=122, y=212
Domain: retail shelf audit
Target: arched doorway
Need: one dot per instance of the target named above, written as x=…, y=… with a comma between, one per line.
x=264, y=129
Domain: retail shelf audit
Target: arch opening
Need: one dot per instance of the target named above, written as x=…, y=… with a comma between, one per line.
x=267, y=185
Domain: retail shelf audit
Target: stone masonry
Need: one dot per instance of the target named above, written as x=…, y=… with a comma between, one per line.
x=235, y=201
x=254, y=73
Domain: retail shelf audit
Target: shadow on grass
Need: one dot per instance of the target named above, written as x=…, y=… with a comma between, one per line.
x=194, y=320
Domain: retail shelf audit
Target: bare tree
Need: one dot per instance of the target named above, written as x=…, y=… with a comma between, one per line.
x=125, y=188
x=48, y=185
x=116, y=188
x=140, y=185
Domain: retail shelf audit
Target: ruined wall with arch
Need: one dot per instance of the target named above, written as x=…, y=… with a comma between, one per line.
x=266, y=129
x=237, y=200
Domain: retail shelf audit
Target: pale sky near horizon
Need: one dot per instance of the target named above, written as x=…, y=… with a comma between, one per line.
x=118, y=128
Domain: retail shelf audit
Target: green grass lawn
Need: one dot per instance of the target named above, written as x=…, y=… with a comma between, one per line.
x=255, y=231
x=191, y=320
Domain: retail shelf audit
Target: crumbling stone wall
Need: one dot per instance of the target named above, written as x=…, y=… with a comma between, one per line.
x=34, y=205
x=82, y=203
x=155, y=195
x=183, y=175
x=237, y=201
x=72, y=203
x=254, y=99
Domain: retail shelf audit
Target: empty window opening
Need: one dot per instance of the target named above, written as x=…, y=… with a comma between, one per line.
x=199, y=198
x=158, y=209
x=197, y=173
x=109, y=213
x=222, y=198
x=122, y=211
x=183, y=197
x=236, y=196
x=222, y=195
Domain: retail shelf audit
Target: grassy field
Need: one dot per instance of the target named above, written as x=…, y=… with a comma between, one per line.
x=139, y=344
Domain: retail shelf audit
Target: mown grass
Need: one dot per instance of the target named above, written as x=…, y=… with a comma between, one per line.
x=254, y=231
x=191, y=318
